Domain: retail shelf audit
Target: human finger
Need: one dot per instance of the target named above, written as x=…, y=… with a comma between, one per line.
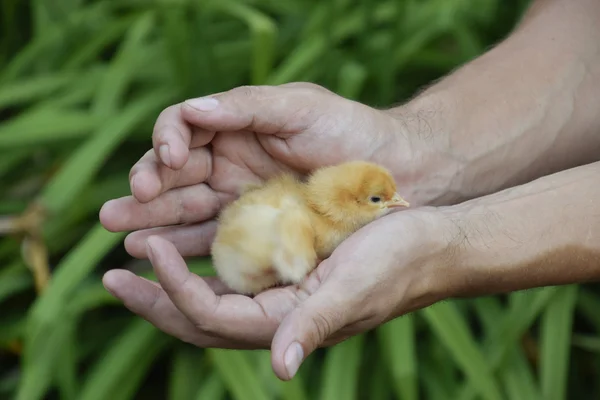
x=214, y=282
x=149, y=301
x=149, y=177
x=189, y=240
x=263, y=109
x=184, y=205
x=234, y=317
x=171, y=137
x=308, y=326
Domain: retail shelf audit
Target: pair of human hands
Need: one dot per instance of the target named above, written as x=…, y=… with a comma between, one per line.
x=204, y=151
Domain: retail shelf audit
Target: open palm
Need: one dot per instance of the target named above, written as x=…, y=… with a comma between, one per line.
x=202, y=159
x=326, y=308
x=204, y=152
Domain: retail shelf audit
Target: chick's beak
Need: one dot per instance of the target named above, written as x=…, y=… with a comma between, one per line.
x=397, y=201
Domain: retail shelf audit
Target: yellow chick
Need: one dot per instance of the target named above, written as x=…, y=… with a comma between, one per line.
x=276, y=232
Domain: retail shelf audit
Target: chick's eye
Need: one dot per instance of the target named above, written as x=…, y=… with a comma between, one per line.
x=375, y=199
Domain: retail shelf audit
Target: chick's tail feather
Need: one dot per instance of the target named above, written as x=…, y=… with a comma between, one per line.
x=294, y=256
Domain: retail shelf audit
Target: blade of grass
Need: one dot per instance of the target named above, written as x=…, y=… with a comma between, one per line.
x=89, y=296
x=380, y=387
x=588, y=304
x=296, y=63
x=488, y=310
x=12, y=207
x=178, y=39
x=555, y=343
x=11, y=329
x=411, y=45
x=122, y=68
x=261, y=360
x=237, y=373
x=9, y=382
x=59, y=232
x=519, y=318
x=119, y=372
x=110, y=33
x=38, y=371
x=294, y=389
x=588, y=343
x=397, y=346
x=341, y=366
x=184, y=379
x=516, y=374
x=437, y=376
x=79, y=92
x=83, y=164
x=69, y=273
x=66, y=364
x=14, y=279
x=518, y=378
x=467, y=41
x=524, y=310
x=12, y=159
x=264, y=33
x=28, y=90
x=352, y=78
x=45, y=125
x=212, y=388
x=317, y=43
x=54, y=38
x=453, y=332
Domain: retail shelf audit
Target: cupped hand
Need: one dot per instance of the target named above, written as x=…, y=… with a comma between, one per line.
x=205, y=150
x=388, y=268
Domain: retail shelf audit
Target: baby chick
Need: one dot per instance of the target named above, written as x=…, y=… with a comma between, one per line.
x=276, y=232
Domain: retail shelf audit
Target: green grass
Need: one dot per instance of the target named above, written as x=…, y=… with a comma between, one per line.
x=81, y=83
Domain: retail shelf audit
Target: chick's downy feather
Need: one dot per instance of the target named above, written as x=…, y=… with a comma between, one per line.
x=275, y=233
x=264, y=237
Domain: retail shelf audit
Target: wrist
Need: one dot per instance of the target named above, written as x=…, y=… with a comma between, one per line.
x=419, y=154
x=533, y=235
x=426, y=259
x=475, y=256
x=497, y=121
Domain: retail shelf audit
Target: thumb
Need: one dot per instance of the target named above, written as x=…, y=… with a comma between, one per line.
x=289, y=108
x=307, y=327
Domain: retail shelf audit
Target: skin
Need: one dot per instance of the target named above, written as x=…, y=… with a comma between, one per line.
x=515, y=131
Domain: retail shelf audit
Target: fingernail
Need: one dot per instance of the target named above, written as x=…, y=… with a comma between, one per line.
x=165, y=154
x=292, y=358
x=203, y=103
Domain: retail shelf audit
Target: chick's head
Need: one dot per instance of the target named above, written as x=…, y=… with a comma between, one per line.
x=356, y=192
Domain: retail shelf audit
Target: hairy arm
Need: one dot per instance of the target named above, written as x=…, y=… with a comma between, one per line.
x=545, y=232
x=527, y=108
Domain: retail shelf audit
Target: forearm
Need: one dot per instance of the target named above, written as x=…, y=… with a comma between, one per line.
x=546, y=232
x=527, y=108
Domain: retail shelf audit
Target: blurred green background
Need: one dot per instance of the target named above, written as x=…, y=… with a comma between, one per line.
x=81, y=83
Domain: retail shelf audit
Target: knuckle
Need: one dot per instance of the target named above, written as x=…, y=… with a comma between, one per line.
x=167, y=113
x=202, y=158
x=180, y=209
x=159, y=134
x=206, y=326
x=165, y=117
x=309, y=86
x=188, y=208
x=322, y=326
x=312, y=86
x=138, y=165
x=246, y=91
